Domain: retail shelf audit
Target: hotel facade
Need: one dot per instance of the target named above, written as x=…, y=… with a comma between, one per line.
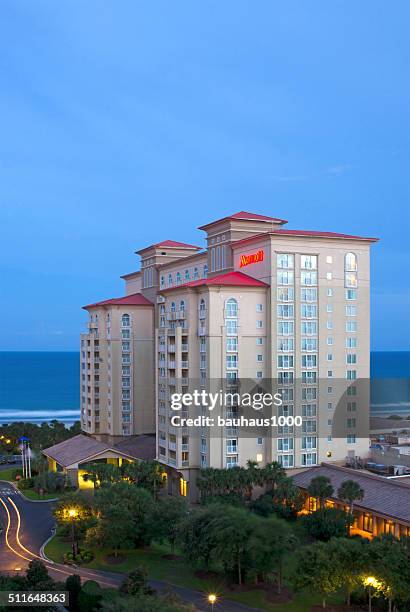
x=260, y=303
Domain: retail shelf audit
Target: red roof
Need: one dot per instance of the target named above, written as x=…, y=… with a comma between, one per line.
x=170, y=244
x=230, y=279
x=304, y=233
x=246, y=216
x=135, y=299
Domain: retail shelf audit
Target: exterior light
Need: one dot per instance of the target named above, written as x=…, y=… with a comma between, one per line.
x=8, y=441
x=329, y=454
x=72, y=513
x=212, y=599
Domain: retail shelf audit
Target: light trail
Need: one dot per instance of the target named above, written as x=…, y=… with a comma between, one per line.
x=86, y=574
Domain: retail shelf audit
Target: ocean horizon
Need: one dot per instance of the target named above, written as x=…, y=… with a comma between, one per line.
x=39, y=386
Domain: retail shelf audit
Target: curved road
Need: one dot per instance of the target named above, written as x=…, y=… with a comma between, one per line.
x=27, y=525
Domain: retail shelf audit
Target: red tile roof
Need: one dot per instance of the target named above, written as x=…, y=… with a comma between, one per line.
x=230, y=279
x=305, y=234
x=135, y=299
x=245, y=216
x=170, y=244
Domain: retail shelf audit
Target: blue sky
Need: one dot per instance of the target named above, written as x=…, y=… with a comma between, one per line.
x=125, y=123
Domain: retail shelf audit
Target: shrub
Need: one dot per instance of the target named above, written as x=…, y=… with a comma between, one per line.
x=327, y=523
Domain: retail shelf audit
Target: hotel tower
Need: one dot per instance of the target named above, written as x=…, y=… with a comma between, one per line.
x=260, y=302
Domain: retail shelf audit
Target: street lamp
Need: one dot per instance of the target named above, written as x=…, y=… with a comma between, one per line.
x=372, y=583
x=212, y=600
x=72, y=513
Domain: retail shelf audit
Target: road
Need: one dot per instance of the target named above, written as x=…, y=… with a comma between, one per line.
x=27, y=525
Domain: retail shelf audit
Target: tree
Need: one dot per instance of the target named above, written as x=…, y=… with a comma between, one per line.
x=101, y=474
x=136, y=583
x=288, y=496
x=349, y=492
x=73, y=586
x=327, y=523
x=37, y=576
x=389, y=562
x=273, y=472
x=145, y=474
x=352, y=557
x=114, y=529
x=170, y=513
x=318, y=570
x=270, y=542
x=198, y=535
x=320, y=488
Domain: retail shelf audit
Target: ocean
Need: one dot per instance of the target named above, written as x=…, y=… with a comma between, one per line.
x=40, y=386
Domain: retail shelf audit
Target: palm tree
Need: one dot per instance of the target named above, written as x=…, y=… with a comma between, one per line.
x=289, y=495
x=349, y=492
x=320, y=488
x=272, y=473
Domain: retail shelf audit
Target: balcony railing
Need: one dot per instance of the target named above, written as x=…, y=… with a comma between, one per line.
x=232, y=450
x=184, y=347
x=171, y=348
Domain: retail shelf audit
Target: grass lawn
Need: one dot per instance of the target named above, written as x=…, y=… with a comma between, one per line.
x=32, y=494
x=180, y=573
x=8, y=474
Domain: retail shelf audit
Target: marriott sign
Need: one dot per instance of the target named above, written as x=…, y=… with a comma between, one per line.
x=246, y=260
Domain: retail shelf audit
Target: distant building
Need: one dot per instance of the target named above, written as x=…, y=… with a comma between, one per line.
x=262, y=302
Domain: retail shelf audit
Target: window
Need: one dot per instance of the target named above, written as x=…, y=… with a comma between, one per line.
x=232, y=344
x=351, y=294
x=232, y=362
x=259, y=441
x=231, y=308
x=259, y=374
x=285, y=361
x=259, y=307
x=351, y=438
x=231, y=445
x=285, y=328
x=309, y=410
x=351, y=423
x=284, y=445
x=308, y=295
x=329, y=341
x=285, y=277
x=231, y=327
x=286, y=461
x=259, y=341
x=308, y=459
x=308, y=262
x=309, y=328
x=351, y=358
x=182, y=306
x=309, y=442
x=351, y=326
x=309, y=311
x=329, y=405
x=329, y=292
x=285, y=294
x=309, y=344
x=329, y=276
x=285, y=311
x=330, y=373
x=125, y=320
x=162, y=282
x=169, y=280
x=351, y=311
x=329, y=259
x=309, y=361
x=329, y=308
x=173, y=307
x=196, y=274
x=329, y=357
x=187, y=275
x=202, y=306
x=350, y=262
x=259, y=357
x=178, y=278
x=259, y=324
x=284, y=260
x=351, y=375
x=308, y=278
x=205, y=271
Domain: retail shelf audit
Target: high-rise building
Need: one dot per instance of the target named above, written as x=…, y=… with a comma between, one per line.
x=260, y=303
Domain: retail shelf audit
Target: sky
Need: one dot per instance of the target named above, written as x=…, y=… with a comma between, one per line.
x=126, y=123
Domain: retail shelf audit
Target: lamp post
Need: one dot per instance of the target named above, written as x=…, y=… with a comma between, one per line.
x=370, y=582
x=72, y=513
x=212, y=600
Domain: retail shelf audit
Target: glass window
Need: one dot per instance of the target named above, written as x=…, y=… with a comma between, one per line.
x=308, y=295
x=231, y=308
x=350, y=262
x=196, y=274
x=285, y=294
x=285, y=311
x=231, y=327
x=169, y=280
x=308, y=262
x=308, y=278
x=285, y=277
x=285, y=328
x=284, y=260
x=351, y=294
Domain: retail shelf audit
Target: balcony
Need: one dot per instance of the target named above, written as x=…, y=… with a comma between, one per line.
x=231, y=450
x=184, y=364
x=181, y=314
x=171, y=332
x=201, y=331
x=172, y=446
x=184, y=348
x=171, y=348
x=184, y=447
x=171, y=365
